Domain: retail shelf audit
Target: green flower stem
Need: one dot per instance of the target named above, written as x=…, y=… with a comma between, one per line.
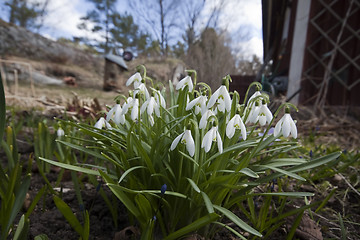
x=258, y=88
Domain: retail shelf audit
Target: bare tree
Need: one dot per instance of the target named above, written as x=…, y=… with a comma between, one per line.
x=211, y=57
x=161, y=16
x=192, y=15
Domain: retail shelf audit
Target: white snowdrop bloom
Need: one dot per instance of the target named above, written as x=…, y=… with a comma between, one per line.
x=186, y=81
x=101, y=123
x=127, y=105
x=287, y=126
x=60, y=132
x=142, y=90
x=136, y=79
x=135, y=109
x=265, y=115
x=159, y=98
x=235, y=123
x=151, y=106
x=210, y=136
x=253, y=116
x=204, y=119
x=187, y=139
x=222, y=97
x=257, y=93
x=199, y=103
x=116, y=115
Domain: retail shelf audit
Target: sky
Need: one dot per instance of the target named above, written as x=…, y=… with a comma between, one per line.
x=241, y=18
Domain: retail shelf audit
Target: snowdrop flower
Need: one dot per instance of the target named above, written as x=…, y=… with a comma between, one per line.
x=135, y=109
x=116, y=115
x=186, y=81
x=222, y=97
x=286, y=125
x=253, y=116
x=133, y=105
x=235, y=123
x=159, y=98
x=187, y=139
x=152, y=106
x=204, y=118
x=142, y=90
x=136, y=79
x=265, y=115
x=210, y=136
x=101, y=123
x=60, y=132
x=199, y=103
x=257, y=93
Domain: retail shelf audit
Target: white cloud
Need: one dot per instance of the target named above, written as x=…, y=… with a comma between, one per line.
x=63, y=18
x=249, y=48
x=243, y=20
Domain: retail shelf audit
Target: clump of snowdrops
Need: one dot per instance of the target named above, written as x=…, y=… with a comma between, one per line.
x=180, y=159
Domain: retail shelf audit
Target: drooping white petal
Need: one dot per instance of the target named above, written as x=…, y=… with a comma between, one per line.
x=230, y=128
x=135, y=109
x=60, y=132
x=176, y=141
x=207, y=140
x=243, y=129
x=192, y=103
x=144, y=106
x=257, y=93
x=199, y=103
x=278, y=127
x=219, y=141
x=235, y=123
x=253, y=115
x=221, y=105
x=293, y=129
x=227, y=98
x=268, y=115
x=204, y=118
x=160, y=99
x=142, y=90
x=222, y=97
x=127, y=105
x=151, y=106
x=262, y=120
x=110, y=114
x=100, y=123
x=116, y=115
x=265, y=115
x=186, y=81
x=286, y=126
x=213, y=98
x=189, y=141
x=136, y=79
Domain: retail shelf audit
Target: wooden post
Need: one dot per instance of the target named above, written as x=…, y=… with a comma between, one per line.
x=16, y=82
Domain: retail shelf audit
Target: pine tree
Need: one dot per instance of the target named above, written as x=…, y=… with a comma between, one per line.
x=27, y=14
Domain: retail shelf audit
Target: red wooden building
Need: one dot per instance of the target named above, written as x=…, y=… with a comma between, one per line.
x=316, y=45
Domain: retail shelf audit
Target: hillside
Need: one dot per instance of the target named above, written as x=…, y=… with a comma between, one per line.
x=54, y=62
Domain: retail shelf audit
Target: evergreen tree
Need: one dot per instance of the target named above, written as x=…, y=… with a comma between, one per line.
x=25, y=13
x=101, y=17
x=116, y=29
x=127, y=33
